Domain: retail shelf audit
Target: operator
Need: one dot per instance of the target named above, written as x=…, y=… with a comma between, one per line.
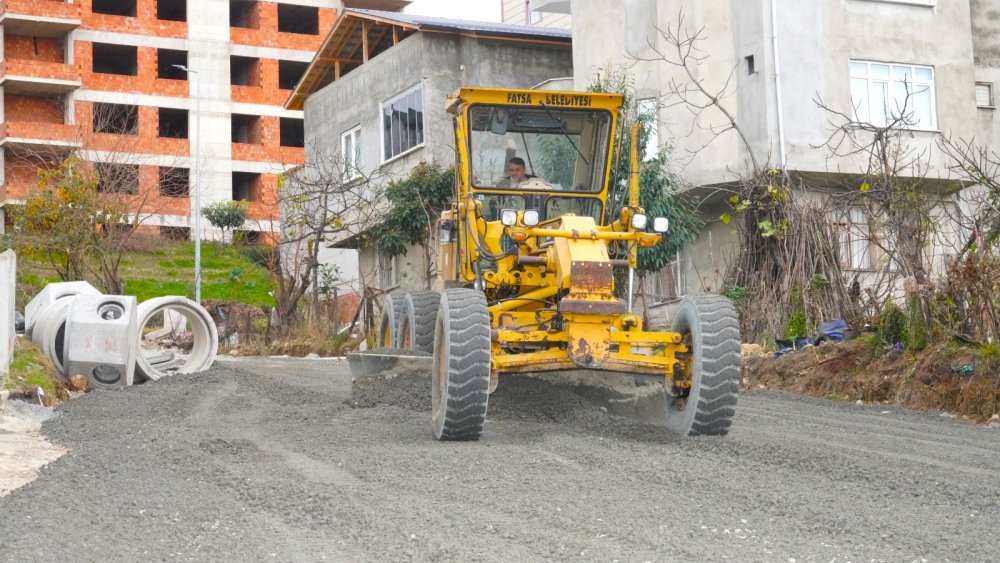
x=516, y=174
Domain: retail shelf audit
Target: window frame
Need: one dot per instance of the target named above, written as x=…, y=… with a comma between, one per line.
x=889, y=82
x=854, y=239
x=992, y=97
x=381, y=121
x=352, y=167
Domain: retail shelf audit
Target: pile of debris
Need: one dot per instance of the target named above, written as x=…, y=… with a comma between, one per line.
x=105, y=338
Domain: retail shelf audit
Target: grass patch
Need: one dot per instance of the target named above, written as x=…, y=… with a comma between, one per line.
x=30, y=369
x=227, y=274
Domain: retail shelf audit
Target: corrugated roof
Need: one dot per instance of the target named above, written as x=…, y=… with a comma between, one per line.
x=360, y=34
x=485, y=28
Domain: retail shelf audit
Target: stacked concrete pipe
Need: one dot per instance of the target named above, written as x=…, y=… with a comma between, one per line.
x=100, y=336
x=206, y=336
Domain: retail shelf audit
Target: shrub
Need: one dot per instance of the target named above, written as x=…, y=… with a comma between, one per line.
x=892, y=324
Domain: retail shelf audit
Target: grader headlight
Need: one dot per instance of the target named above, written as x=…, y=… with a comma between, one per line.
x=508, y=217
x=639, y=221
x=530, y=217
x=661, y=224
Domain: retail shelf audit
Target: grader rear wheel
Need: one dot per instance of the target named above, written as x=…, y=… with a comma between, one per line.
x=460, y=377
x=712, y=331
x=392, y=304
x=417, y=318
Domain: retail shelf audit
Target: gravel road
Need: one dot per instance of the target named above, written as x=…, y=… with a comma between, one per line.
x=274, y=459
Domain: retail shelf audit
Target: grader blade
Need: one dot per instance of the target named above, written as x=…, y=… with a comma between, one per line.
x=642, y=398
x=387, y=363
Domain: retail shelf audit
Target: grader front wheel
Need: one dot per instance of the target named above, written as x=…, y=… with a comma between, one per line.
x=460, y=378
x=416, y=321
x=712, y=332
x=392, y=306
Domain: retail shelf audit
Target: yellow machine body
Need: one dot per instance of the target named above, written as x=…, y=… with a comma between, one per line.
x=550, y=282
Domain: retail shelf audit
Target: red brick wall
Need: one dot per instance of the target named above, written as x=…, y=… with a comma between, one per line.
x=146, y=141
x=32, y=109
x=145, y=82
x=266, y=34
x=47, y=49
x=20, y=174
x=145, y=22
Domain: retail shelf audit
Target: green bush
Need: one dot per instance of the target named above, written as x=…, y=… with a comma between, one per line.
x=892, y=324
x=736, y=293
x=916, y=325
x=797, y=321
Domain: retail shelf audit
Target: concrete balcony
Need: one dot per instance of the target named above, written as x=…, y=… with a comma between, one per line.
x=39, y=18
x=38, y=78
x=40, y=137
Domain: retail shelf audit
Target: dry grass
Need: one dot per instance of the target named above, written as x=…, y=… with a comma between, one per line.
x=958, y=380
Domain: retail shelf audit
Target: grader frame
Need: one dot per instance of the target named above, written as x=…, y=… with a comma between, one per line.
x=526, y=270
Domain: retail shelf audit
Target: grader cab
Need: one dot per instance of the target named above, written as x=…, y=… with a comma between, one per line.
x=528, y=255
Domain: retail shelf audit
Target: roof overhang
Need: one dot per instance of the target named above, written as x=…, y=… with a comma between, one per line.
x=359, y=35
x=354, y=39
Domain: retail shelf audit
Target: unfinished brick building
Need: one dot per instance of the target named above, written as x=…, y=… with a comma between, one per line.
x=106, y=78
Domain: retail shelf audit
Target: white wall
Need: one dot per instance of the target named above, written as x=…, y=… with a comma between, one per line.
x=8, y=280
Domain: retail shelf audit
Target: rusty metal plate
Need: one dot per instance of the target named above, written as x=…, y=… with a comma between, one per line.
x=591, y=276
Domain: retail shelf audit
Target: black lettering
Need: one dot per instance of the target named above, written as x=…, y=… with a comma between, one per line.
x=564, y=100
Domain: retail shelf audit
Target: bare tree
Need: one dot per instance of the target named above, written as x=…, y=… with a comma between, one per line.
x=111, y=203
x=323, y=201
x=787, y=261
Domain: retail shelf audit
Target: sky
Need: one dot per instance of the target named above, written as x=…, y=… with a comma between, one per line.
x=482, y=10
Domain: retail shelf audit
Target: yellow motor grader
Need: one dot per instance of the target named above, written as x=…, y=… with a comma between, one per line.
x=527, y=258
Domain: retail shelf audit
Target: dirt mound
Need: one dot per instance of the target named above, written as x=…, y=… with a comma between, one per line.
x=947, y=378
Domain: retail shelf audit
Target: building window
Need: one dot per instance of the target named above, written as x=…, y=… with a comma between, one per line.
x=388, y=270
x=291, y=132
x=298, y=19
x=175, y=233
x=853, y=235
x=289, y=73
x=115, y=59
x=113, y=178
x=751, y=65
x=175, y=182
x=171, y=10
x=114, y=7
x=402, y=123
x=984, y=94
x=173, y=123
x=669, y=283
x=244, y=71
x=246, y=128
x=883, y=93
x=649, y=113
x=246, y=186
x=244, y=14
x=118, y=119
x=350, y=151
x=167, y=61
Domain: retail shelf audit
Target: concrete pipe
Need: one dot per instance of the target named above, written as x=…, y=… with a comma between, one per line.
x=49, y=332
x=48, y=295
x=100, y=341
x=205, y=338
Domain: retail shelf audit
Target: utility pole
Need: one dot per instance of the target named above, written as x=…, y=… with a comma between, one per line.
x=196, y=206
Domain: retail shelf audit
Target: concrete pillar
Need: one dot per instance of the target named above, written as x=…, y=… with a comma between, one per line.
x=8, y=279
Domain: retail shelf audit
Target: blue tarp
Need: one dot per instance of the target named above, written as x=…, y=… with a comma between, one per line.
x=828, y=330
